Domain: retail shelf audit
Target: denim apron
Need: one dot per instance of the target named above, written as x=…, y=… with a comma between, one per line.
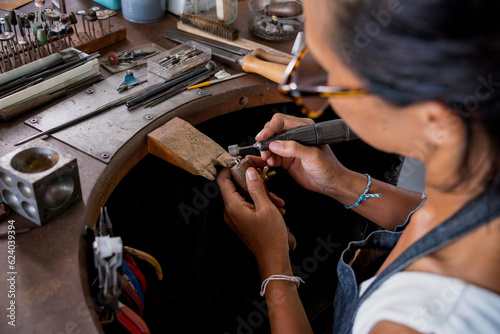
x=362, y=259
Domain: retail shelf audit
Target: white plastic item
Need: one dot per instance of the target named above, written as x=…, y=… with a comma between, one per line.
x=182, y=67
x=225, y=11
x=108, y=255
x=222, y=10
x=179, y=7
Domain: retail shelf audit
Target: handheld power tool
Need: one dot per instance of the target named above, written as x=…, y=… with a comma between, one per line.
x=328, y=132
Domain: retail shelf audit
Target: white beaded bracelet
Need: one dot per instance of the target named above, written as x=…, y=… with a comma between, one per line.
x=295, y=279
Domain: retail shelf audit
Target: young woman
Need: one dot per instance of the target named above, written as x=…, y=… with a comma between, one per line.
x=416, y=78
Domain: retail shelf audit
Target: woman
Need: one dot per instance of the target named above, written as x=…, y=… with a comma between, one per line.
x=425, y=83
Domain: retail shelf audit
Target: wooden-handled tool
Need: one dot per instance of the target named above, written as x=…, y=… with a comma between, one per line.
x=275, y=58
x=256, y=60
x=272, y=71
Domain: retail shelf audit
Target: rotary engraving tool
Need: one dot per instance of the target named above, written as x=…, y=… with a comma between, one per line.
x=328, y=132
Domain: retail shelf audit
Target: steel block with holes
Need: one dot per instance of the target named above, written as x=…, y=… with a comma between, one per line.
x=39, y=182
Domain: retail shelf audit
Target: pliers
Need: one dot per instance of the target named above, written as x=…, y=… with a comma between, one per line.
x=130, y=320
x=145, y=257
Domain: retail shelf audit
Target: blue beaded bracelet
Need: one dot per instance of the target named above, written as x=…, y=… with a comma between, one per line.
x=364, y=195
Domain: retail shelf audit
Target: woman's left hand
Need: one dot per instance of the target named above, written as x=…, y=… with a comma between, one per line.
x=260, y=225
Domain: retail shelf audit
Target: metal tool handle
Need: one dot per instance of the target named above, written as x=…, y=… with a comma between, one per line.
x=169, y=84
x=329, y=132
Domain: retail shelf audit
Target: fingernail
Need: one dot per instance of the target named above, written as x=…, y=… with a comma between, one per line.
x=276, y=145
x=259, y=134
x=252, y=174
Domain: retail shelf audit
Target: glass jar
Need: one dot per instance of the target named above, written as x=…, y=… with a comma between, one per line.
x=221, y=10
x=275, y=19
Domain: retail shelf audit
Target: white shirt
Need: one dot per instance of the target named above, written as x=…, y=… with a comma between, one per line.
x=429, y=303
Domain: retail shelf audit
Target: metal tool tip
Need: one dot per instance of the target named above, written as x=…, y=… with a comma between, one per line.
x=210, y=66
x=233, y=150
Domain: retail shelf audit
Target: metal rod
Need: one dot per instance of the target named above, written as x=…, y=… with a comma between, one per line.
x=47, y=72
x=74, y=21
x=3, y=52
x=38, y=48
x=50, y=43
x=37, y=81
x=171, y=83
x=82, y=14
x=24, y=54
x=34, y=102
x=31, y=43
x=15, y=42
x=60, y=42
x=22, y=26
x=4, y=69
x=12, y=54
x=101, y=109
x=179, y=89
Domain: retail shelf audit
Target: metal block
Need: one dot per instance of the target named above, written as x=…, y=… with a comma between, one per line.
x=39, y=182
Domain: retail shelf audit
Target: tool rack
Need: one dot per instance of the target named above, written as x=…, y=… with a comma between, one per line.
x=20, y=44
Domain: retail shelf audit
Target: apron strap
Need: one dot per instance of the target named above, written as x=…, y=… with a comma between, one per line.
x=474, y=214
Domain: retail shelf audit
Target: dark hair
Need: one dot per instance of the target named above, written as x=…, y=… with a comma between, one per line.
x=441, y=50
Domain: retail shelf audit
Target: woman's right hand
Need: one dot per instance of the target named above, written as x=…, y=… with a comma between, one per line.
x=314, y=168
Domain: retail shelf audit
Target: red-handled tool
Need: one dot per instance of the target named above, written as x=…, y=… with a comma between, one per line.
x=131, y=321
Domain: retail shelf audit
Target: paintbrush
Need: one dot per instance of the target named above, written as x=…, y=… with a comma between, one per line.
x=211, y=82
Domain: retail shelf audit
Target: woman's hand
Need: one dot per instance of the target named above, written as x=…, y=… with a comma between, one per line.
x=262, y=228
x=315, y=168
x=260, y=225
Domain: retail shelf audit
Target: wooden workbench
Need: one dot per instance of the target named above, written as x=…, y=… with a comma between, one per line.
x=52, y=291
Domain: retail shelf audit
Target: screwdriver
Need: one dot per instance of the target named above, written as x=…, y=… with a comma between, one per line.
x=328, y=132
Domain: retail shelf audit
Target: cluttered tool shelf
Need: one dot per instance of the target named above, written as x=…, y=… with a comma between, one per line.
x=50, y=295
